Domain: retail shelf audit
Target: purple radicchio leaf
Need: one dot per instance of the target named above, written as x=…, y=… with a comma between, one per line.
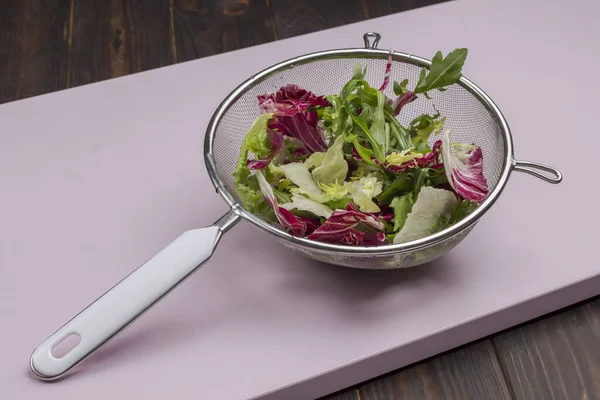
x=277, y=143
x=298, y=127
x=402, y=100
x=289, y=100
x=312, y=224
x=296, y=226
x=341, y=227
x=388, y=72
x=386, y=214
x=464, y=169
x=292, y=116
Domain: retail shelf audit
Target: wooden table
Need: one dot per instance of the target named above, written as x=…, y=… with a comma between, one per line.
x=52, y=45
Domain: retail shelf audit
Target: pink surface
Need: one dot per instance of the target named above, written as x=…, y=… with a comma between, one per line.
x=96, y=179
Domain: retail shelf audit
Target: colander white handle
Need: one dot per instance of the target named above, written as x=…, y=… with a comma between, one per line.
x=129, y=299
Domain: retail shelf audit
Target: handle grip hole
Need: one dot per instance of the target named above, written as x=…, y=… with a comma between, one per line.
x=65, y=346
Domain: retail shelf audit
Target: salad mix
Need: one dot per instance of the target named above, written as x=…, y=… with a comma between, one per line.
x=342, y=169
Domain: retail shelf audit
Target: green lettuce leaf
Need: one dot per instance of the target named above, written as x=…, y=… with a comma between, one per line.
x=253, y=200
x=402, y=206
x=400, y=157
x=301, y=203
x=336, y=196
x=255, y=141
x=315, y=160
x=334, y=167
x=336, y=191
x=444, y=71
x=363, y=191
x=431, y=205
x=423, y=126
x=359, y=72
x=298, y=173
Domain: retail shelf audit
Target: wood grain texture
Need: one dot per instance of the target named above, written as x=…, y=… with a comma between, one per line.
x=294, y=18
x=33, y=47
x=379, y=8
x=471, y=372
x=206, y=27
x=112, y=38
x=557, y=357
x=350, y=394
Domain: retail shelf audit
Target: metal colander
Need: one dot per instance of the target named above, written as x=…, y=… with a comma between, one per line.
x=470, y=115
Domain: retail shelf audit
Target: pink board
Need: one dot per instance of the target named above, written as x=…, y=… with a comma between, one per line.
x=96, y=179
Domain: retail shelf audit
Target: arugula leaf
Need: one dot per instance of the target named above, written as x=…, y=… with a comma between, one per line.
x=400, y=88
x=363, y=128
x=402, y=206
x=348, y=88
x=281, y=196
x=400, y=133
x=403, y=183
x=411, y=181
x=286, y=185
x=442, y=72
x=378, y=125
x=334, y=116
x=427, y=177
x=458, y=212
x=369, y=95
x=362, y=151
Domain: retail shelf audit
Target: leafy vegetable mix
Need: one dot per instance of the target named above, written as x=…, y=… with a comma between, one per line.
x=342, y=169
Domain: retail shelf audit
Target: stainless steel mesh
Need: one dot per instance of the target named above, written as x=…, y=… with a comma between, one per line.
x=403, y=259
x=467, y=116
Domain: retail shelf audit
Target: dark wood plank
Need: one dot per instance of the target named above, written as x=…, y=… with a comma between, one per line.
x=152, y=32
x=378, y=8
x=351, y=394
x=294, y=18
x=471, y=372
x=102, y=42
x=113, y=38
x=557, y=357
x=34, y=47
x=203, y=28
